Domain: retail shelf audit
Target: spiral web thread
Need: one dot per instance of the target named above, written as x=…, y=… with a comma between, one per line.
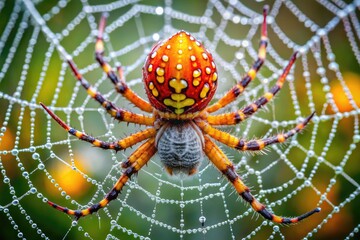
x=319, y=167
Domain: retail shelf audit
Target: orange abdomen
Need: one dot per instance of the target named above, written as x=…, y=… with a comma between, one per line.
x=180, y=75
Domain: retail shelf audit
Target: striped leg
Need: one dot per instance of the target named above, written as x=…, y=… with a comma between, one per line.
x=117, y=113
x=253, y=145
x=226, y=167
x=135, y=155
x=236, y=117
x=232, y=94
x=117, y=146
x=143, y=158
x=120, y=85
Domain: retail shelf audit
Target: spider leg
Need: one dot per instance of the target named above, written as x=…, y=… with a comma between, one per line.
x=226, y=167
x=253, y=145
x=147, y=150
x=235, y=91
x=117, y=146
x=240, y=115
x=117, y=113
x=120, y=85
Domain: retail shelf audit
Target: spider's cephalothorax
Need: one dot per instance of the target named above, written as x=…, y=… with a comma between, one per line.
x=180, y=79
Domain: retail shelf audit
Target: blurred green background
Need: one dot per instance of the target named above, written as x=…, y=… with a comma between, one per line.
x=28, y=126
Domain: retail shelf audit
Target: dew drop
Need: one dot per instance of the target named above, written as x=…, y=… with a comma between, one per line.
x=14, y=152
x=41, y=166
x=159, y=10
x=275, y=124
x=15, y=202
x=33, y=190
x=202, y=220
x=338, y=170
x=79, y=110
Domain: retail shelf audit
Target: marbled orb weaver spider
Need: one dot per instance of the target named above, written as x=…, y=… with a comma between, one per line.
x=180, y=79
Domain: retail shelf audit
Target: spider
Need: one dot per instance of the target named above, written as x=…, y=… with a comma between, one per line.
x=180, y=79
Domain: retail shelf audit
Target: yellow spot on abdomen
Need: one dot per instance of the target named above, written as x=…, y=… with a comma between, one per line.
x=178, y=97
x=214, y=77
x=205, y=57
x=179, y=105
x=196, y=76
x=160, y=71
x=208, y=70
x=204, y=90
x=153, y=89
x=179, y=66
x=196, y=81
x=178, y=85
x=153, y=55
x=196, y=73
x=165, y=58
x=160, y=74
x=160, y=79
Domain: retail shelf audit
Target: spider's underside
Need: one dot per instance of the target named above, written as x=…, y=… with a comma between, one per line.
x=180, y=80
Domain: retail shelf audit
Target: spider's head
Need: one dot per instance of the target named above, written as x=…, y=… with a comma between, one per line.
x=180, y=76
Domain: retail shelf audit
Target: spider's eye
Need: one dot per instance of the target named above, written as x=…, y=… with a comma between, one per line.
x=180, y=75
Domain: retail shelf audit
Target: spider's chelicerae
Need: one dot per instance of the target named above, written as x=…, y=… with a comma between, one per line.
x=180, y=80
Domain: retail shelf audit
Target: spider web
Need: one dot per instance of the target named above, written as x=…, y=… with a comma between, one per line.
x=40, y=161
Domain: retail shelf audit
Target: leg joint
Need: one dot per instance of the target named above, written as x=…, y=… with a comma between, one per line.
x=230, y=173
x=112, y=195
x=247, y=196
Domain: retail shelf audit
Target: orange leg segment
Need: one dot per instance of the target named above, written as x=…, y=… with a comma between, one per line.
x=233, y=93
x=117, y=146
x=253, y=145
x=226, y=167
x=239, y=116
x=125, y=176
x=117, y=113
x=120, y=85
